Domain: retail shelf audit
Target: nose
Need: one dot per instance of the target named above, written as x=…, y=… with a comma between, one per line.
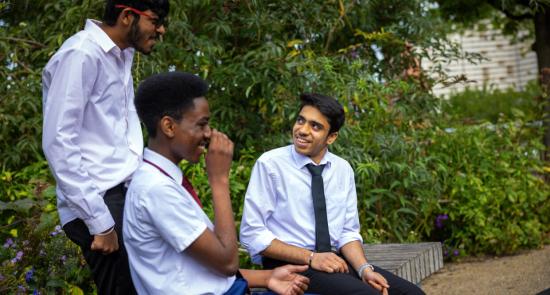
x=303, y=129
x=161, y=29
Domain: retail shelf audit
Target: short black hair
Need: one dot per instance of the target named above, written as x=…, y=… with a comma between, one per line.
x=168, y=94
x=159, y=7
x=328, y=106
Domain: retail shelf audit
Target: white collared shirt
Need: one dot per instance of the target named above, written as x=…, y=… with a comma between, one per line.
x=91, y=134
x=161, y=219
x=279, y=205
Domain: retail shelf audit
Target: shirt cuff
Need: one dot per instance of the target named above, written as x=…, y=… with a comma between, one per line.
x=100, y=224
x=258, y=245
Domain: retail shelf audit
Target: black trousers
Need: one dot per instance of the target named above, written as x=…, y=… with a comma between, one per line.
x=111, y=272
x=348, y=283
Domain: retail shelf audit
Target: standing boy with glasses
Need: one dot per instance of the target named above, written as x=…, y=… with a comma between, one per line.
x=301, y=207
x=91, y=134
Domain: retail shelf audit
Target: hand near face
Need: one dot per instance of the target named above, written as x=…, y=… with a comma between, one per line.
x=219, y=155
x=286, y=280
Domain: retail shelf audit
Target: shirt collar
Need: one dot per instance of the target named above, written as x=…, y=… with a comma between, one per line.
x=102, y=39
x=301, y=161
x=168, y=166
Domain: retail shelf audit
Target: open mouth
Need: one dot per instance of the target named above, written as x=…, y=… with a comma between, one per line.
x=300, y=141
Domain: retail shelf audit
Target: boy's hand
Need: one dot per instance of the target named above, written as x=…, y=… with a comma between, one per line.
x=219, y=155
x=376, y=280
x=286, y=280
x=106, y=244
x=329, y=262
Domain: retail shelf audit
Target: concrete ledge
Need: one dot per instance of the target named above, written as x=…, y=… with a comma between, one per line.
x=413, y=262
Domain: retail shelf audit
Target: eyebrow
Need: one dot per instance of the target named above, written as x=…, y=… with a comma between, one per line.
x=313, y=122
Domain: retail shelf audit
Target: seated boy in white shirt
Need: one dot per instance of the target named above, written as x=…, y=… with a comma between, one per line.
x=173, y=247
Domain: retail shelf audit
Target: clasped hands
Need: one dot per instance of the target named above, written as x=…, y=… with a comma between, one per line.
x=332, y=263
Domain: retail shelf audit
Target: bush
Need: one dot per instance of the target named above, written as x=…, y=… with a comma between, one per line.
x=494, y=197
x=36, y=255
x=472, y=105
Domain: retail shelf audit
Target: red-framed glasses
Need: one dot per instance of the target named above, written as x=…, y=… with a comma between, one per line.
x=157, y=22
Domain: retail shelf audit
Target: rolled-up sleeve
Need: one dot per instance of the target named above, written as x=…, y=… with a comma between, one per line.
x=259, y=204
x=351, y=228
x=68, y=83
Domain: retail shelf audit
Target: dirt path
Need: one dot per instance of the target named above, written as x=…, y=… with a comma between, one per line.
x=525, y=273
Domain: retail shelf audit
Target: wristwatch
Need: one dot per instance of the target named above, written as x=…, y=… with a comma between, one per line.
x=363, y=267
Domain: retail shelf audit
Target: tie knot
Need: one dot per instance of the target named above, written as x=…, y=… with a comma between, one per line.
x=315, y=170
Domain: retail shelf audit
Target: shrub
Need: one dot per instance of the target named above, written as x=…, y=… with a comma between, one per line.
x=491, y=105
x=494, y=197
x=36, y=256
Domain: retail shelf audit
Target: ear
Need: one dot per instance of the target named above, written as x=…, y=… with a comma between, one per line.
x=125, y=18
x=332, y=137
x=167, y=126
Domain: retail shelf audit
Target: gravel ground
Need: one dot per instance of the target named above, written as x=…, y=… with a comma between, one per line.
x=525, y=273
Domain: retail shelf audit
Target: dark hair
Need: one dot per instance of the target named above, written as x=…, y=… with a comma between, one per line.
x=328, y=106
x=168, y=94
x=159, y=7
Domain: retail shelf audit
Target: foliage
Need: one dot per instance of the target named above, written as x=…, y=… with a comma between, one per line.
x=494, y=196
x=473, y=106
x=510, y=16
x=36, y=255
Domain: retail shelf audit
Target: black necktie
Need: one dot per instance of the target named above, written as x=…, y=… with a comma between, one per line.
x=322, y=237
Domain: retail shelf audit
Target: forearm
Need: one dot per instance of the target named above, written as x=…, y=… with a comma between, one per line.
x=80, y=193
x=256, y=278
x=282, y=251
x=354, y=254
x=224, y=224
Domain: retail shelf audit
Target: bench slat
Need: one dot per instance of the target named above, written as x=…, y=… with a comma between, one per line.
x=413, y=262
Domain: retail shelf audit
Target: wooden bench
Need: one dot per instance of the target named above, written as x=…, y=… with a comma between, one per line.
x=413, y=262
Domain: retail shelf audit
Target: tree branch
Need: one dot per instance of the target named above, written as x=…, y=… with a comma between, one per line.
x=31, y=42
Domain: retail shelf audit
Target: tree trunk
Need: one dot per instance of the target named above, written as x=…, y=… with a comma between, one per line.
x=542, y=47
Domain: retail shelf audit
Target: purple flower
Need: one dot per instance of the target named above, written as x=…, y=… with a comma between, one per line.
x=28, y=275
x=1, y=277
x=17, y=257
x=56, y=231
x=456, y=252
x=63, y=258
x=35, y=292
x=439, y=220
x=446, y=253
x=8, y=243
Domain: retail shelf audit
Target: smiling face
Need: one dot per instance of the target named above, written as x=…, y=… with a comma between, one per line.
x=191, y=134
x=145, y=32
x=310, y=133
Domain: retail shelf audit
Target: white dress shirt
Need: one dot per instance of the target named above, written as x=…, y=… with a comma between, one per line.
x=161, y=219
x=91, y=133
x=279, y=205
